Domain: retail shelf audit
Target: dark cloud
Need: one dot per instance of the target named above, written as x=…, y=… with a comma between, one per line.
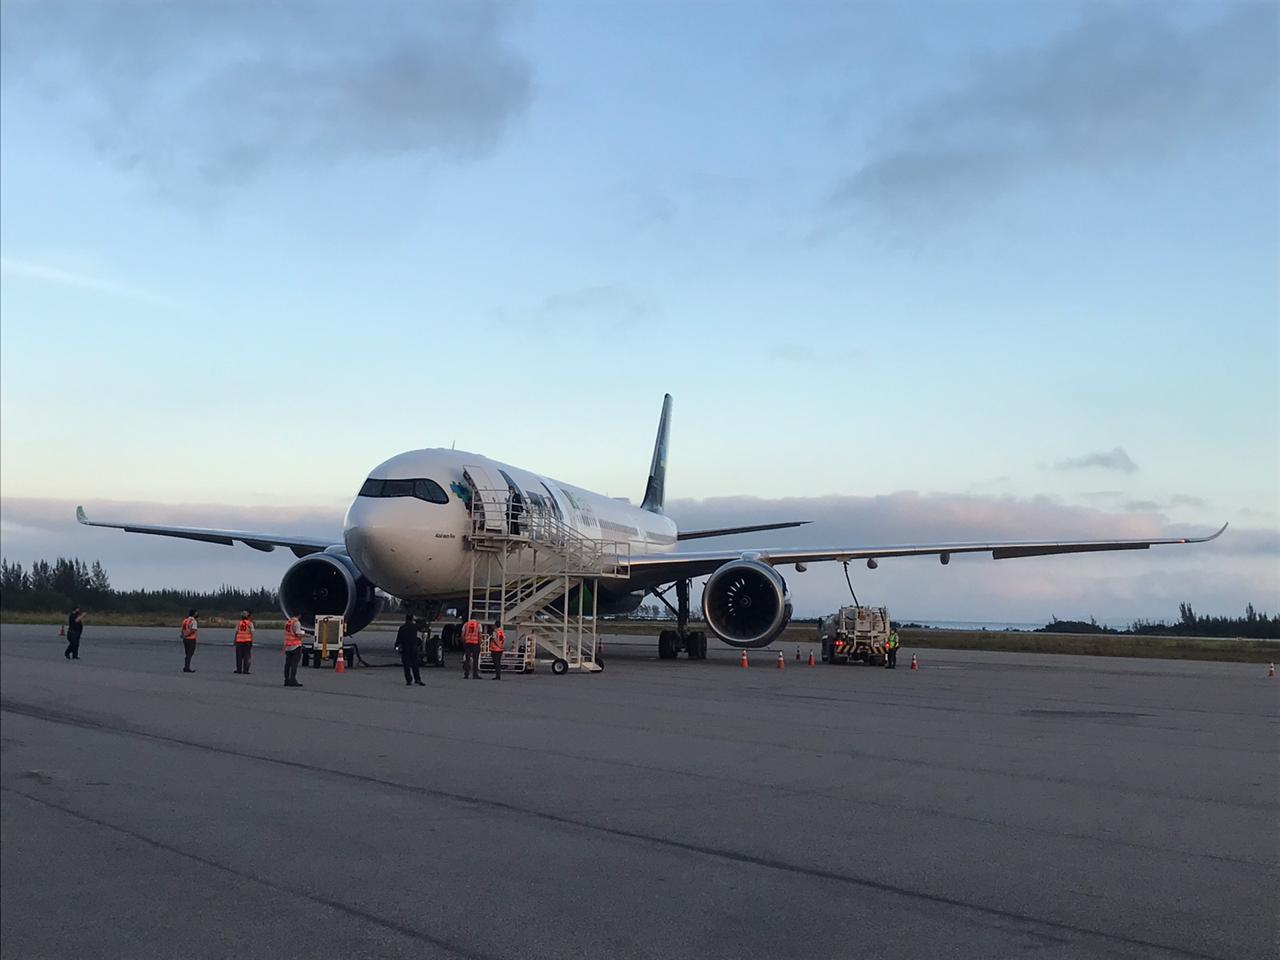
x=1123, y=85
x=218, y=91
x=1115, y=459
x=1238, y=568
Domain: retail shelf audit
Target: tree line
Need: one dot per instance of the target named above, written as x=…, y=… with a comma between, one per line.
x=68, y=583
x=1253, y=625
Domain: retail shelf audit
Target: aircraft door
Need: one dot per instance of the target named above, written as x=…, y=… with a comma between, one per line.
x=490, y=496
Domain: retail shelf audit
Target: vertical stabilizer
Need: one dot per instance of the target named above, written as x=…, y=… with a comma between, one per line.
x=655, y=489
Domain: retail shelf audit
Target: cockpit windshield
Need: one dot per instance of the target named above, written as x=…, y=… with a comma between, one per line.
x=420, y=488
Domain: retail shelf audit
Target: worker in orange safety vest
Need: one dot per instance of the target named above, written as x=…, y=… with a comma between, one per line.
x=244, y=641
x=471, y=649
x=292, y=651
x=497, y=643
x=188, y=632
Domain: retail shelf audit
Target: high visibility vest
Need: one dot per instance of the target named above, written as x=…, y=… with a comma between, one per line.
x=893, y=641
x=244, y=631
x=189, y=628
x=471, y=633
x=292, y=639
x=497, y=641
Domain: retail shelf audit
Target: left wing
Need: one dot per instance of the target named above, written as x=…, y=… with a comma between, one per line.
x=656, y=569
x=266, y=542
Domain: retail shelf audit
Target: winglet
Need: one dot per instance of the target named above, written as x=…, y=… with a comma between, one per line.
x=1212, y=536
x=80, y=517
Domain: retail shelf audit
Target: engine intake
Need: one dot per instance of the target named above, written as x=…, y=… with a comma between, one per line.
x=746, y=603
x=329, y=584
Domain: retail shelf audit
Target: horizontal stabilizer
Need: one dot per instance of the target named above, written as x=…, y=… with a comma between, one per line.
x=730, y=531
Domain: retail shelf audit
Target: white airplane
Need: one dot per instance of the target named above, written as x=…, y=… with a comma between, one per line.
x=408, y=532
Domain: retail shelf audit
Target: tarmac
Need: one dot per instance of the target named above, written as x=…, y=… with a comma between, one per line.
x=987, y=805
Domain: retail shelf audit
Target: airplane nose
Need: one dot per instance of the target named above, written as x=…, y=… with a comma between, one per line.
x=384, y=543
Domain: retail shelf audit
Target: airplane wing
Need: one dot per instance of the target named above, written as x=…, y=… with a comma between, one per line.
x=730, y=531
x=266, y=542
x=656, y=569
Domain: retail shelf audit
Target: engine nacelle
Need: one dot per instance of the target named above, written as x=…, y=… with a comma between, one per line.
x=746, y=603
x=329, y=584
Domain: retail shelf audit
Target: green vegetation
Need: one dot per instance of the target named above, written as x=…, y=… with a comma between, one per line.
x=49, y=590
x=46, y=592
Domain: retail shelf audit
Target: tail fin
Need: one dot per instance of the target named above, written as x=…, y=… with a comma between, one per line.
x=656, y=487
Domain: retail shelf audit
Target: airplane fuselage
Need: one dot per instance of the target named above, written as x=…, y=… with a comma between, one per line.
x=411, y=540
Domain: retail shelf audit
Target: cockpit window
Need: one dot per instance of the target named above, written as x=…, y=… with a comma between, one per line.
x=429, y=491
x=421, y=488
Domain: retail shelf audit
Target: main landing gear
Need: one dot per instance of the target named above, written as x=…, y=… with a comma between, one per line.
x=671, y=643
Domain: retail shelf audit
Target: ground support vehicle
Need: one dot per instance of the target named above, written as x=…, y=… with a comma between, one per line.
x=855, y=635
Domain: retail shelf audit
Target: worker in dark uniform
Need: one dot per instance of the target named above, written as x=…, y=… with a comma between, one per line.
x=471, y=649
x=891, y=650
x=407, y=642
x=75, y=627
x=497, y=643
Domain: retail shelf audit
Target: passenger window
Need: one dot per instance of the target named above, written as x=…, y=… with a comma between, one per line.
x=429, y=491
x=371, y=488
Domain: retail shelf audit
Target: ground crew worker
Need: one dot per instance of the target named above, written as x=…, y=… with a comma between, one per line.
x=471, y=649
x=891, y=650
x=407, y=641
x=75, y=627
x=497, y=642
x=244, y=641
x=292, y=651
x=190, y=627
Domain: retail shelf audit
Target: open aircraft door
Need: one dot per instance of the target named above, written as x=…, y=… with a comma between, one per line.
x=490, y=495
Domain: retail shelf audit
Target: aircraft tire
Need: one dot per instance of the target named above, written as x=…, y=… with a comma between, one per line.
x=667, y=645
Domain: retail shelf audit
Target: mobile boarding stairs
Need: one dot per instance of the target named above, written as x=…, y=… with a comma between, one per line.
x=537, y=577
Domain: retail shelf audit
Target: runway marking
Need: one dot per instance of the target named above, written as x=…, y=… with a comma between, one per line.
x=731, y=856
x=270, y=884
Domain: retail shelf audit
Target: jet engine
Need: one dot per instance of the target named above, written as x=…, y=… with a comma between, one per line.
x=746, y=603
x=328, y=584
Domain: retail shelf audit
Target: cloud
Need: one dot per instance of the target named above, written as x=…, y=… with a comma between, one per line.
x=219, y=92
x=1115, y=459
x=21, y=269
x=1123, y=85
x=602, y=299
x=1238, y=568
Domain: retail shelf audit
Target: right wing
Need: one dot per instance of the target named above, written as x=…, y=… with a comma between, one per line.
x=659, y=568
x=266, y=542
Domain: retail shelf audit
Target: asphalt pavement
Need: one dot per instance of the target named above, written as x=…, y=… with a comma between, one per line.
x=987, y=805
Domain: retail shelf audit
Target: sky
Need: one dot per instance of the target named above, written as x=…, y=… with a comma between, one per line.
x=916, y=272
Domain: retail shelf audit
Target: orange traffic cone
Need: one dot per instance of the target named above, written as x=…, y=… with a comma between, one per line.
x=782, y=661
x=914, y=665
x=811, y=658
x=62, y=631
x=742, y=660
x=341, y=665
x=1271, y=670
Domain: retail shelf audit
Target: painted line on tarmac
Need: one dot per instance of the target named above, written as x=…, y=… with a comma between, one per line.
x=718, y=853
x=338, y=905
